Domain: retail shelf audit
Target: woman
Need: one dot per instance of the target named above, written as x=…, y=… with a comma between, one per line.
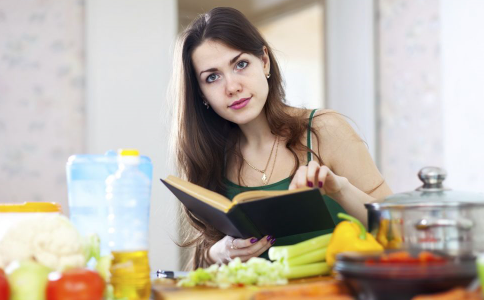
x=235, y=133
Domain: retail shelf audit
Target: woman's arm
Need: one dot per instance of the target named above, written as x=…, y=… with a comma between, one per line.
x=348, y=175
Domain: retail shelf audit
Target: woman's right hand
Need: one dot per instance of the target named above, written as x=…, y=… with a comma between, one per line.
x=229, y=248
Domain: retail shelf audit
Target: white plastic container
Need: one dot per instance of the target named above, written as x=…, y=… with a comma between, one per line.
x=12, y=213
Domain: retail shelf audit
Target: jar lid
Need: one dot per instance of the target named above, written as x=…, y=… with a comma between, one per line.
x=29, y=207
x=431, y=193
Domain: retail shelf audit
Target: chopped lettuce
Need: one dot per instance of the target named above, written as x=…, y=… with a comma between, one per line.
x=256, y=271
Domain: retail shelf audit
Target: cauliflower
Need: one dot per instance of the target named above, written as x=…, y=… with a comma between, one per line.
x=50, y=240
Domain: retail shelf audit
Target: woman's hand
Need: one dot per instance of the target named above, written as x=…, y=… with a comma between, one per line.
x=314, y=175
x=229, y=248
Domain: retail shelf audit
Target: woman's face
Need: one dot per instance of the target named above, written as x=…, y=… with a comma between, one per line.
x=234, y=83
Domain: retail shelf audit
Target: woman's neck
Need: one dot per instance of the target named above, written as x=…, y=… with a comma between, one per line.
x=257, y=132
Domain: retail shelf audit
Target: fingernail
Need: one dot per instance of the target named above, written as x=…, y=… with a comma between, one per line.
x=273, y=241
x=310, y=184
x=269, y=237
x=320, y=184
x=253, y=240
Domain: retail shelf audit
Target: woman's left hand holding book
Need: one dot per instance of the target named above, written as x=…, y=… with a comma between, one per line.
x=229, y=248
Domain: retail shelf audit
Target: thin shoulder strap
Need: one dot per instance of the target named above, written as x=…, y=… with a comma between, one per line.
x=310, y=154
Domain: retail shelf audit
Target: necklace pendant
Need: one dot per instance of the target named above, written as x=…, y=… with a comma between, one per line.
x=264, y=178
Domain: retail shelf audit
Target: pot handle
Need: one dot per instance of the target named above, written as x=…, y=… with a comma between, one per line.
x=461, y=224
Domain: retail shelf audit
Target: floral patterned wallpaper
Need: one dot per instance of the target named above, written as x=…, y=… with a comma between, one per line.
x=411, y=129
x=42, y=109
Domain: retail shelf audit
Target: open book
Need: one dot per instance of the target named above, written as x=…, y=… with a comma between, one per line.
x=255, y=213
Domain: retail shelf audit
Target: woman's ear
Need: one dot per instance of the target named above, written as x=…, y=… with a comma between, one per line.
x=266, y=61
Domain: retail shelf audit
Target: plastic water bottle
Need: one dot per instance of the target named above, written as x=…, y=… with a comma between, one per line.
x=128, y=196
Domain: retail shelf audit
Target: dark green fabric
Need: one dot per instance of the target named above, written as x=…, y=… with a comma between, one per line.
x=308, y=143
x=233, y=189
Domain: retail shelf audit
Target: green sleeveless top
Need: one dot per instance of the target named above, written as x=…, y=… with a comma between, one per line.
x=334, y=208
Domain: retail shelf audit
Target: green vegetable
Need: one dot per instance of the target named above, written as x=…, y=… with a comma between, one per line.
x=256, y=271
x=102, y=267
x=314, y=256
x=27, y=280
x=293, y=272
x=287, y=252
x=91, y=246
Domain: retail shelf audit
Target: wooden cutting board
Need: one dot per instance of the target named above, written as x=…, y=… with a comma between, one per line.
x=167, y=290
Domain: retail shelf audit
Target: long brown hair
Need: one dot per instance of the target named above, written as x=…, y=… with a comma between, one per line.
x=201, y=136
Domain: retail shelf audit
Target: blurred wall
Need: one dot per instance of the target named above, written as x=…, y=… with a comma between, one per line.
x=300, y=57
x=462, y=64
x=411, y=126
x=431, y=70
x=42, y=109
x=129, y=50
x=350, y=65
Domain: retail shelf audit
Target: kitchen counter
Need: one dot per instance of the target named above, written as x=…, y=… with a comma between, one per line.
x=167, y=290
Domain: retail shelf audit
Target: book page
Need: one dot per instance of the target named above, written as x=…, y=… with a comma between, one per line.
x=211, y=198
x=260, y=195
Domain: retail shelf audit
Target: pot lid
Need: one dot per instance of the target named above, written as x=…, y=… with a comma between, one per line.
x=431, y=193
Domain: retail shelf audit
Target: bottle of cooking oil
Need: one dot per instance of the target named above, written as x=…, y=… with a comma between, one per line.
x=128, y=195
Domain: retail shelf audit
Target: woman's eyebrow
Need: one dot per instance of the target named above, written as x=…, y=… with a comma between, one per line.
x=231, y=62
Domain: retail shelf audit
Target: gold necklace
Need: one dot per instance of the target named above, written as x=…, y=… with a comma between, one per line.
x=275, y=158
x=265, y=180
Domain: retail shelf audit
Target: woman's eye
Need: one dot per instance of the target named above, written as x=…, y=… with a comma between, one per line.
x=211, y=78
x=242, y=64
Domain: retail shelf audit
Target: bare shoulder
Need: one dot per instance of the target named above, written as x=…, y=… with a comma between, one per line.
x=332, y=125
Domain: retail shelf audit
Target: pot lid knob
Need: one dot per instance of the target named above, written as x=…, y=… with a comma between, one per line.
x=432, y=178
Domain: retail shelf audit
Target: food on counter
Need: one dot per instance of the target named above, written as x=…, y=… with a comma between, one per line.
x=27, y=280
x=334, y=290
x=256, y=271
x=402, y=275
x=288, y=252
x=304, y=259
x=50, y=240
x=454, y=294
x=389, y=235
x=350, y=235
x=75, y=284
x=4, y=288
x=36, y=246
x=307, y=270
x=404, y=257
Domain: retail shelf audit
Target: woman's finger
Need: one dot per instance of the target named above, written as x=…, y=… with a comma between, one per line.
x=242, y=243
x=312, y=173
x=301, y=176
x=252, y=250
x=295, y=182
x=323, y=173
x=256, y=254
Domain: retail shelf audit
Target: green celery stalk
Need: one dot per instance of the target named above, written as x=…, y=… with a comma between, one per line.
x=318, y=255
x=308, y=270
x=279, y=253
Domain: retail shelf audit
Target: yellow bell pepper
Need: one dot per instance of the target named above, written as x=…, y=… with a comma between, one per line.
x=389, y=235
x=350, y=235
x=381, y=235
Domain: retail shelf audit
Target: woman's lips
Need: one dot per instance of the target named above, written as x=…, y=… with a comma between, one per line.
x=240, y=103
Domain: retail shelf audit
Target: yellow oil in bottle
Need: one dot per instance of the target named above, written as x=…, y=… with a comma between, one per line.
x=130, y=275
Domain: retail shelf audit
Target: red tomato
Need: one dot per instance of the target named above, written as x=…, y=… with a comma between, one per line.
x=4, y=289
x=75, y=284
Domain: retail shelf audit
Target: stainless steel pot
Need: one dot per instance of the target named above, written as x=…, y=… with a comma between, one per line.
x=430, y=218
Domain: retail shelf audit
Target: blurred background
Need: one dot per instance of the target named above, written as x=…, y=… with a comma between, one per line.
x=86, y=76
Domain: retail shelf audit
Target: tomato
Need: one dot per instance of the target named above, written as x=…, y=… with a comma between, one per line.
x=75, y=284
x=404, y=258
x=4, y=288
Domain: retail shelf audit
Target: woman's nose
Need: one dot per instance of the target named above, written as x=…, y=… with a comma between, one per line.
x=232, y=85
